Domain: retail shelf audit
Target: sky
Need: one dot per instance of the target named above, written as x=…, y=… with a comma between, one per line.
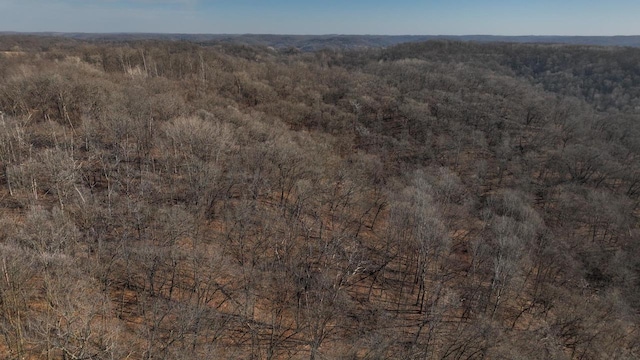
x=397, y=17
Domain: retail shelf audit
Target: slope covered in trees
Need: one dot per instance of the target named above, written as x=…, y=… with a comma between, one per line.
x=438, y=200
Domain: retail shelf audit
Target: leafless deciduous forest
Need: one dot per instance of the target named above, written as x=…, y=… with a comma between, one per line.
x=437, y=200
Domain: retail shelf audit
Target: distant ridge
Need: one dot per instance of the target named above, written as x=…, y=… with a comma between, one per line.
x=316, y=42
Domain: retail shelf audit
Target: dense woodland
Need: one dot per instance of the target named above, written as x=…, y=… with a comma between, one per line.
x=436, y=200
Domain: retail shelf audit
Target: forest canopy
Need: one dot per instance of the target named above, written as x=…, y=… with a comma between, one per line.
x=432, y=200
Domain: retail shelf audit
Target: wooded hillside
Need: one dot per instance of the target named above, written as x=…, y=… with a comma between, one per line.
x=437, y=200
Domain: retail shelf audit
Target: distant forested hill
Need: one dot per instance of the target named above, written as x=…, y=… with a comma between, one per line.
x=316, y=42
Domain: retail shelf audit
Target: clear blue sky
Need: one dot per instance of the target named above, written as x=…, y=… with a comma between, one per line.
x=427, y=17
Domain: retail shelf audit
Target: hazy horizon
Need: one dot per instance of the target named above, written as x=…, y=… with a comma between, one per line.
x=44, y=32
x=358, y=17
